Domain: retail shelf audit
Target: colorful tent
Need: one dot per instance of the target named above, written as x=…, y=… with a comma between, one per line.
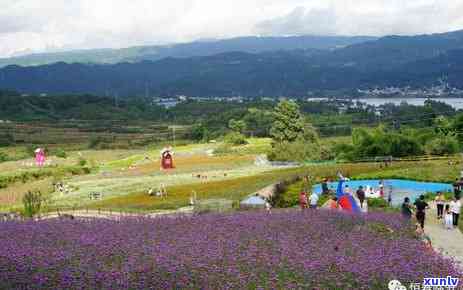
x=345, y=200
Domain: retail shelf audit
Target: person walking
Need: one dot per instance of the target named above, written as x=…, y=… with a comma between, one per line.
x=455, y=208
x=448, y=217
x=313, y=200
x=421, y=206
x=440, y=202
x=406, y=209
x=360, y=195
x=389, y=196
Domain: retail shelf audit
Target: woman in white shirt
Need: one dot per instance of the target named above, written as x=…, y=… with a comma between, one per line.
x=455, y=208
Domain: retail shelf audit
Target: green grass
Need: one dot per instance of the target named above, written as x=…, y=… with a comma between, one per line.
x=237, y=188
x=126, y=189
x=433, y=171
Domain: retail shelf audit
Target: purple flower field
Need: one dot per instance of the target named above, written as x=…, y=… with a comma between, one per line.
x=254, y=250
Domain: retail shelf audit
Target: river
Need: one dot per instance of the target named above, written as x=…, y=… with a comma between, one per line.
x=457, y=103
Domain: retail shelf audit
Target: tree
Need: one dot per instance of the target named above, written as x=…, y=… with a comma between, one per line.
x=199, y=132
x=288, y=124
x=445, y=145
x=443, y=126
x=457, y=127
x=258, y=121
x=237, y=126
x=235, y=138
x=294, y=139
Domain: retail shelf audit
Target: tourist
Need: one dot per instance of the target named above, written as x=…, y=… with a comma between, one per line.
x=406, y=209
x=455, y=208
x=347, y=190
x=334, y=203
x=325, y=188
x=448, y=220
x=268, y=206
x=313, y=200
x=303, y=200
x=457, y=188
x=421, y=206
x=360, y=195
x=440, y=201
x=381, y=188
x=423, y=237
x=389, y=197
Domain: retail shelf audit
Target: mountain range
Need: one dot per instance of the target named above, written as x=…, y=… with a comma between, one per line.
x=249, y=44
x=256, y=67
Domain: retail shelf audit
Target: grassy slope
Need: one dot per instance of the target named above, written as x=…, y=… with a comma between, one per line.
x=129, y=186
x=236, y=189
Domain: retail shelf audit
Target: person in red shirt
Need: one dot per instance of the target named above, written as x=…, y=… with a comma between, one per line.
x=303, y=200
x=334, y=203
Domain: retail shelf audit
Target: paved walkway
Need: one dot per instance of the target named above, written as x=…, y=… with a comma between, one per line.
x=448, y=242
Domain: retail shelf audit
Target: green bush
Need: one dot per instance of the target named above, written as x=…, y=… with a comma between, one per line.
x=6, y=140
x=235, y=139
x=95, y=142
x=445, y=145
x=4, y=157
x=32, y=202
x=377, y=203
x=82, y=162
x=379, y=142
x=287, y=192
x=295, y=151
x=61, y=153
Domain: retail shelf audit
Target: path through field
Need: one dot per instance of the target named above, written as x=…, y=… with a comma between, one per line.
x=448, y=242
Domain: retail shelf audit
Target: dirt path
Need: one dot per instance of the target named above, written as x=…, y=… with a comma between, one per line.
x=448, y=242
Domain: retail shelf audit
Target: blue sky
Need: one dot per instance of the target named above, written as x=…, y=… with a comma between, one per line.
x=50, y=25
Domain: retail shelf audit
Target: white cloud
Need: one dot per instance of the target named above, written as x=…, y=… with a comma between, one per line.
x=63, y=24
x=369, y=17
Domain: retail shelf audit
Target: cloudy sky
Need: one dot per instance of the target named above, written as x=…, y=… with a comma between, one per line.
x=48, y=25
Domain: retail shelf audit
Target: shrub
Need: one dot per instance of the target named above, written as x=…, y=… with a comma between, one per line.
x=377, y=203
x=295, y=151
x=3, y=157
x=61, y=153
x=32, y=202
x=94, y=142
x=445, y=145
x=82, y=162
x=344, y=152
x=287, y=192
x=235, y=138
x=199, y=132
x=6, y=140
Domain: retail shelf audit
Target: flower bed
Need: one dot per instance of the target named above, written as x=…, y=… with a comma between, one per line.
x=284, y=250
